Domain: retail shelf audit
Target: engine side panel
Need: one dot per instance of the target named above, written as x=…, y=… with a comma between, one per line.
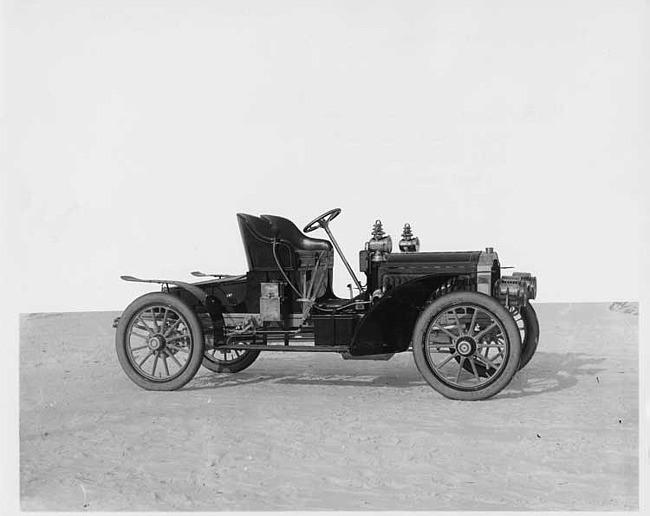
x=405, y=267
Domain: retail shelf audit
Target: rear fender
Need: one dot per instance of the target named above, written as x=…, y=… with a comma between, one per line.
x=213, y=305
x=388, y=325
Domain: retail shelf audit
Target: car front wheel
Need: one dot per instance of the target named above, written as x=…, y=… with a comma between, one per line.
x=528, y=324
x=466, y=345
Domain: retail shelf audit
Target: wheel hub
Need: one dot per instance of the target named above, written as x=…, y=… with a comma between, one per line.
x=156, y=343
x=466, y=346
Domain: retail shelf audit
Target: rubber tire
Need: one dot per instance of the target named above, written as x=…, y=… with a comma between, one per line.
x=529, y=346
x=194, y=362
x=249, y=356
x=498, y=311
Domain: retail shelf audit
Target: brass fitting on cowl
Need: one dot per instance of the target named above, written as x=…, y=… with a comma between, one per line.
x=380, y=245
x=409, y=243
x=378, y=230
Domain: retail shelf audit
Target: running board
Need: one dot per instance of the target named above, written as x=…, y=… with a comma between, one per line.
x=263, y=347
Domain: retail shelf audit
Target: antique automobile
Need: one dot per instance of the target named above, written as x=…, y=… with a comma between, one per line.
x=469, y=327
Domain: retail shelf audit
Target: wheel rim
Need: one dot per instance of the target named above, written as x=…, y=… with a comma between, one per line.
x=466, y=334
x=225, y=356
x=159, y=343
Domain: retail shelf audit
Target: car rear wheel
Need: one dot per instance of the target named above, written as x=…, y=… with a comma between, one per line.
x=159, y=342
x=229, y=360
x=466, y=345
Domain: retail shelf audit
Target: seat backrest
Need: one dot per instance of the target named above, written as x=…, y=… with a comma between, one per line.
x=257, y=236
x=287, y=230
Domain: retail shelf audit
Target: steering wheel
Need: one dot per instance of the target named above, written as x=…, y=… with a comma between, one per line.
x=322, y=221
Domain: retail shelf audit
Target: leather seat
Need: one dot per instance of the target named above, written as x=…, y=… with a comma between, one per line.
x=287, y=230
x=257, y=236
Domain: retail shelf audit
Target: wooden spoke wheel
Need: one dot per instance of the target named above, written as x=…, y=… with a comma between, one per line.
x=159, y=342
x=229, y=360
x=528, y=324
x=466, y=345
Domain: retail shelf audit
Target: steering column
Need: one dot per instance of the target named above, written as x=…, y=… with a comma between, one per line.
x=323, y=221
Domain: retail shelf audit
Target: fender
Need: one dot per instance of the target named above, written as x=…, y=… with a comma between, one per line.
x=388, y=325
x=215, y=307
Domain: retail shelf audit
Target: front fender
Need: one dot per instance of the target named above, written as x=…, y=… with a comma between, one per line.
x=388, y=325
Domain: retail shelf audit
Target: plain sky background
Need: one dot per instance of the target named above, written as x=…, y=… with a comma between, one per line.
x=137, y=130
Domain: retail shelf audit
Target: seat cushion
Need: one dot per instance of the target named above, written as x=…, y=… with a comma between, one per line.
x=287, y=230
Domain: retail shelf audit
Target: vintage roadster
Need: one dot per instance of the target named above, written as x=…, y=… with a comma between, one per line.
x=469, y=327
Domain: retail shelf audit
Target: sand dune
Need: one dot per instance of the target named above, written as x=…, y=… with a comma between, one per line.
x=316, y=432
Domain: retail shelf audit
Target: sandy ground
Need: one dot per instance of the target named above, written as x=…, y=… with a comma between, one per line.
x=309, y=432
